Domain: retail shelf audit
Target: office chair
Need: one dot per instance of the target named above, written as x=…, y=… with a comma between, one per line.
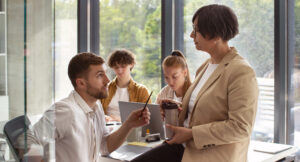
x=12, y=130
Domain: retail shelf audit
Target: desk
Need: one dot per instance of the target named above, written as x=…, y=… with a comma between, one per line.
x=253, y=156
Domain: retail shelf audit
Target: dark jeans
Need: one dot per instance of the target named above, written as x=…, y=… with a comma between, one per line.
x=162, y=153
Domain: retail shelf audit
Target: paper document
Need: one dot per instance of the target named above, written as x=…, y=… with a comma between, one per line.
x=138, y=143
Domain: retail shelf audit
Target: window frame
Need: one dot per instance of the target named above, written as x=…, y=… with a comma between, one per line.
x=88, y=26
x=283, y=65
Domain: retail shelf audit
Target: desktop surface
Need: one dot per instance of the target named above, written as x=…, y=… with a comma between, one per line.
x=253, y=156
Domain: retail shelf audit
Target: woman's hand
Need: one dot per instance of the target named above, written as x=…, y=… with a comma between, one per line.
x=162, y=111
x=181, y=134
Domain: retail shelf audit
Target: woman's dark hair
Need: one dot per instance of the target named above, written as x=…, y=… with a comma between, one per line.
x=216, y=21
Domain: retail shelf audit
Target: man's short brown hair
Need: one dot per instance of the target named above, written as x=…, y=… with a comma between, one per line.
x=79, y=65
x=121, y=56
x=216, y=21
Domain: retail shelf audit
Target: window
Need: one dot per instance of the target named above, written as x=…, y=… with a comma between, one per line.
x=296, y=76
x=134, y=25
x=65, y=44
x=33, y=60
x=255, y=42
x=50, y=45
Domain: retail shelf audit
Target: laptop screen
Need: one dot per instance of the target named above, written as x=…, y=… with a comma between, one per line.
x=156, y=123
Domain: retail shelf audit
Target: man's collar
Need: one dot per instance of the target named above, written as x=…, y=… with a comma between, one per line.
x=84, y=106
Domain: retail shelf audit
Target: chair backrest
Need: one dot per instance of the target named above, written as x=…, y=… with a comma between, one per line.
x=263, y=128
x=266, y=100
x=13, y=129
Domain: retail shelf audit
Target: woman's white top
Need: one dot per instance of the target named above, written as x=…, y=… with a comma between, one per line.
x=178, y=99
x=167, y=93
x=210, y=69
x=120, y=95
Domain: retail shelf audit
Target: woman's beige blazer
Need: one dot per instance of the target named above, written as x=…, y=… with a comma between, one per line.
x=224, y=112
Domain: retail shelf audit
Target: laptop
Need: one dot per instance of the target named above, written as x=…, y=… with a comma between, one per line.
x=271, y=148
x=128, y=152
x=156, y=123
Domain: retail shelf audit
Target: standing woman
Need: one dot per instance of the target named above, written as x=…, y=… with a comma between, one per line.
x=218, y=110
x=122, y=87
x=177, y=76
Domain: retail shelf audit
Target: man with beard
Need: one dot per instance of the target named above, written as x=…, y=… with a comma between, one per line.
x=77, y=123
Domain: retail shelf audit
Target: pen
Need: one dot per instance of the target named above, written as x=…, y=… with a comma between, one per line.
x=146, y=104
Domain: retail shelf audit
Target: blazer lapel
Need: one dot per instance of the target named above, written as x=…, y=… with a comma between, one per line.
x=214, y=76
x=187, y=96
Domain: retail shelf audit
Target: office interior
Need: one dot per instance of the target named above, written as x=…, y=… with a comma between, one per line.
x=39, y=37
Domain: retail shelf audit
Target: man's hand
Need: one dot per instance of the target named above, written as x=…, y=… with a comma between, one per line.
x=136, y=120
x=181, y=134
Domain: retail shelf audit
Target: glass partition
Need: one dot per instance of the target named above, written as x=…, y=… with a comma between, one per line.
x=37, y=40
x=4, y=108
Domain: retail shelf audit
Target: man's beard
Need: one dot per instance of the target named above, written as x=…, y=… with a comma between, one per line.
x=93, y=92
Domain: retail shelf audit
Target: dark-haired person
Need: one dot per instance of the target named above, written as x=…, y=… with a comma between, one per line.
x=218, y=110
x=77, y=123
x=122, y=87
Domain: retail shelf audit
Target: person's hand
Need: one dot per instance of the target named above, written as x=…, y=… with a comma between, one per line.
x=111, y=119
x=181, y=134
x=33, y=153
x=162, y=111
x=136, y=120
